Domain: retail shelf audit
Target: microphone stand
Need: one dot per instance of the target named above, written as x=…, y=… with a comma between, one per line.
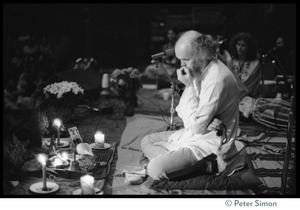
x=172, y=110
x=173, y=88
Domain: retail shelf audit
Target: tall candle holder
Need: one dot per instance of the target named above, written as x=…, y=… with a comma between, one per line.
x=45, y=186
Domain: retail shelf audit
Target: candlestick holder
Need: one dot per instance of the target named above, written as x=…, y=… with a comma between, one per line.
x=96, y=147
x=99, y=141
x=38, y=188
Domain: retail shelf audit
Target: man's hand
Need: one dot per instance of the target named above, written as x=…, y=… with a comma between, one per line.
x=184, y=75
x=214, y=125
x=217, y=125
x=163, y=144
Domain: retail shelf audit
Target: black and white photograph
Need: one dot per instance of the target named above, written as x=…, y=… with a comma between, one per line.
x=75, y=135
x=168, y=100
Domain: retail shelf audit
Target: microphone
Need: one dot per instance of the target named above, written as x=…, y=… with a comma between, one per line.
x=167, y=53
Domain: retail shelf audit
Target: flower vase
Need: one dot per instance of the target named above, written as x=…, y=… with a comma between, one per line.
x=130, y=101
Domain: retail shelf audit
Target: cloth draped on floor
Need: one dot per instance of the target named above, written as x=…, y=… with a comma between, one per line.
x=129, y=154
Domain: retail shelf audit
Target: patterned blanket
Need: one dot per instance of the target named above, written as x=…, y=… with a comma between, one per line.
x=267, y=157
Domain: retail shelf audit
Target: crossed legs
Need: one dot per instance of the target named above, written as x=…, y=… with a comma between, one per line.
x=164, y=164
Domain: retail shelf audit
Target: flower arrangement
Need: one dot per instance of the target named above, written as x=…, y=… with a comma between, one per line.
x=63, y=97
x=125, y=79
x=61, y=88
x=124, y=84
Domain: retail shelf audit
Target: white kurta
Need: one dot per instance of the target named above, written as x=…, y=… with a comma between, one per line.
x=214, y=95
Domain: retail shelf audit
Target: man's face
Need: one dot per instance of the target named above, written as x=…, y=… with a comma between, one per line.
x=191, y=59
x=199, y=62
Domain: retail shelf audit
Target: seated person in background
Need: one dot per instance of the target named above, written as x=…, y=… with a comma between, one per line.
x=170, y=63
x=172, y=38
x=281, y=57
x=245, y=64
x=271, y=112
x=211, y=93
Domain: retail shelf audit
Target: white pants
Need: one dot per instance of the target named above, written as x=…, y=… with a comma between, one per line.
x=164, y=164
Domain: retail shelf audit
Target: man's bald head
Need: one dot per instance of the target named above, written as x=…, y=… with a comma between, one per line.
x=184, y=44
x=192, y=42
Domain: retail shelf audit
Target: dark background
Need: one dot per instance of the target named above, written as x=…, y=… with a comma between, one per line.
x=122, y=35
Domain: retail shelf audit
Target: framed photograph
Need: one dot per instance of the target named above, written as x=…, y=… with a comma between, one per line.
x=75, y=135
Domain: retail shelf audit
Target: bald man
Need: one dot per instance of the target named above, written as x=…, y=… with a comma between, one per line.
x=211, y=92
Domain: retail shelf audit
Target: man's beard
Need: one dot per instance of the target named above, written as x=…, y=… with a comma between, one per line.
x=198, y=66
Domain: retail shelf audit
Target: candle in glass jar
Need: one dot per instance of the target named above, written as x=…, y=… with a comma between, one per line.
x=99, y=139
x=57, y=123
x=42, y=160
x=87, y=185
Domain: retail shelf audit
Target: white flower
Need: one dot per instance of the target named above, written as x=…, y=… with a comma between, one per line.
x=60, y=88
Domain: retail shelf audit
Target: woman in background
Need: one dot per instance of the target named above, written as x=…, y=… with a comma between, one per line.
x=172, y=36
x=245, y=64
x=167, y=64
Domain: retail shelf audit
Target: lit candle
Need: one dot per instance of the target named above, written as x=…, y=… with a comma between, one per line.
x=42, y=159
x=99, y=139
x=87, y=185
x=57, y=123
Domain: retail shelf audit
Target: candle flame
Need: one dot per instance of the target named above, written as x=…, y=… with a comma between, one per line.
x=99, y=135
x=57, y=122
x=42, y=159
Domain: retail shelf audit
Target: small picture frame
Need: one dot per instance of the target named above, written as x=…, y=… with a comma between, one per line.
x=75, y=135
